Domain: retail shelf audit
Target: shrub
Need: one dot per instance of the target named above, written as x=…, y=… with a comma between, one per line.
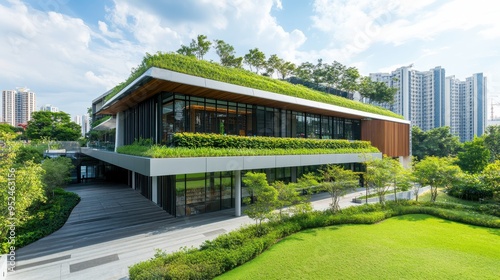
x=44, y=219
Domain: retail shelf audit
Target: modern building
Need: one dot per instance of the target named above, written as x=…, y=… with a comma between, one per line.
x=17, y=106
x=162, y=102
x=83, y=121
x=429, y=100
x=49, y=108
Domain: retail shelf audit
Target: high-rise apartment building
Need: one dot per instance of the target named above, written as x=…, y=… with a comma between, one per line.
x=49, y=108
x=17, y=106
x=466, y=106
x=429, y=100
x=83, y=121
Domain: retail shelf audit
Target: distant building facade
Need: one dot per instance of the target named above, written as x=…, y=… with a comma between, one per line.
x=49, y=108
x=17, y=106
x=429, y=99
x=84, y=122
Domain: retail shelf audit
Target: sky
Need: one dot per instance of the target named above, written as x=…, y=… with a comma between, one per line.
x=69, y=52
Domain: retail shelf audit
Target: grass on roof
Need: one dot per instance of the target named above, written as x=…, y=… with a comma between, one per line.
x=211, y=70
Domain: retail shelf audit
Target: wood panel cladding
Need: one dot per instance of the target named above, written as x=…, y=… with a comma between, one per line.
x=391, y=138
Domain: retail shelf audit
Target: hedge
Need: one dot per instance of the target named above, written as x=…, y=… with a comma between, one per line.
x=216, y=145
x=210, y=70
x=235, y=248
x=198, y=140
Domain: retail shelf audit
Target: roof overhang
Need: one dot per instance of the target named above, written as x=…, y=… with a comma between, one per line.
x=106, y=125
x=156, y=80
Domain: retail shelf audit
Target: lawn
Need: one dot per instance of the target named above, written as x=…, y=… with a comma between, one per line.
x=405, y=247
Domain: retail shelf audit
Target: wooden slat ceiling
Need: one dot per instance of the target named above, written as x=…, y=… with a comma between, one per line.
x=155, y=86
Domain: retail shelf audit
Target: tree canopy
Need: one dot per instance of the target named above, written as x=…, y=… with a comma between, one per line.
x=376, y=91
x=492, y=141
x=52, y=125
x=435, y=142
x=255, y=59
x=474, y=157
x=437, y=172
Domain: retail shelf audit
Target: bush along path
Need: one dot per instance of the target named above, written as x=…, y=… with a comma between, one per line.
x=235, y=248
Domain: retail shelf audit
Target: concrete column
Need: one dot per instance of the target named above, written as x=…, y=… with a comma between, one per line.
x=237, y=193
x=133, y=180
x=119, y=130
x=154, y=187
x=405, y=161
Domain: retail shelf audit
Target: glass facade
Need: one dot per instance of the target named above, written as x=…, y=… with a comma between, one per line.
x=160, y=117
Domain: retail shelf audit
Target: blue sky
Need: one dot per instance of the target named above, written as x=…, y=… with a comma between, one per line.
x=71, y=51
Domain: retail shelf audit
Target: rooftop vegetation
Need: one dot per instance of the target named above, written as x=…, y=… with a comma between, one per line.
x=210, y=70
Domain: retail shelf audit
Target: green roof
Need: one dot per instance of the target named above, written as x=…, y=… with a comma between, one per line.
x=211, y=70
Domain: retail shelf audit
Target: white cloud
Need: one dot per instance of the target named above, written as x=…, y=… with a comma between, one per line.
x=355, y=26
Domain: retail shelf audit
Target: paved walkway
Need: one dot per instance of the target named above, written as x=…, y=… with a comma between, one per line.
x=114, y=227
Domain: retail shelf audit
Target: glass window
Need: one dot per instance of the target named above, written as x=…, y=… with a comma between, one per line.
x=167, y=123
x=179, y=116
x=195, y=193
x=180, y=195
x=300, y=124
x=326, y=127
x=313, y=125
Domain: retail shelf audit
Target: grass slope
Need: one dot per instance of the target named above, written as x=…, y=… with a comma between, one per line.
x=405, y=247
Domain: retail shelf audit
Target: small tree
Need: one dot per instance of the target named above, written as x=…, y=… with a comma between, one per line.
x=437, y=173
x=337, y=181
x=264, y=196
x=380, y=173
x=255, y=59
x=288, y=198
x=200, y=46
x=57, y=173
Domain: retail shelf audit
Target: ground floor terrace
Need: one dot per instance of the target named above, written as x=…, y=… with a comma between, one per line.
x=190, y=186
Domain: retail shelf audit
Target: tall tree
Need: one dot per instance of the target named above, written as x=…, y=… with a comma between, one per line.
x=474, y=157
x=52, y=125
x=285, y=69
x=186, y=50
x=437, y=173
x=349, y=80
x=492, y=141
x=255, y=59
x=376, y=91
x=272, y=65
x=333, y=74
x=305, y=71
x=435, y=142
x=337, y=181
x=227, y=54
x=200, y=46
x=22, y=186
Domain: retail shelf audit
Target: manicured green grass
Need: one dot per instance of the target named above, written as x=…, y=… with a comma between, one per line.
x=405, y=247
